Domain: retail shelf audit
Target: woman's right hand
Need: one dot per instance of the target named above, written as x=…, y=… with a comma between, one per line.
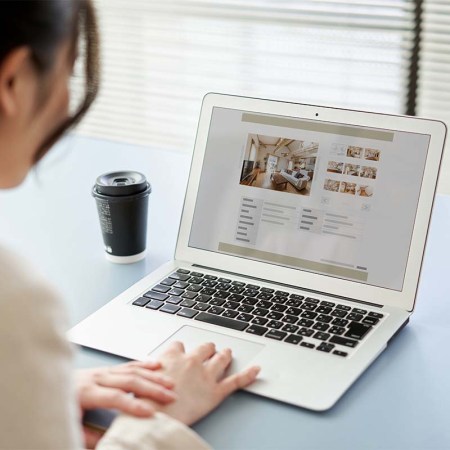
x=199, y=381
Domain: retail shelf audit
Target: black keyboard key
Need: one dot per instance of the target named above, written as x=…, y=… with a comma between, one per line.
x=321, y=336
x=282, y=293
x=224, y=280
x=325, y=347
x=312, y=300
x=324, y=318
x=340, y=322
x=141, y=301
x=265, y=296
x=156, y=295
x=359, y=311
x=309, y=315
x=344, y=341
x=274, y=315
x=209, y=283
x=338, y=313
x=196, y=280
x=306, y=323
x=203, y=298
x=279, y=299
x=323, y=309
x=370, y=320
x=168, y=282
x=154, y=304
x=264, y=304
x=339, y=353
x=181, y=284
x=278, y=308
x=197, y=274
x=216, y=301
x=305, y=332
x=176, y=291
x=307, y=344
x=179, y=276
x=290, y=328
x=238, y=283
x=216, y=310
x=231, y=305
x=188, y=313
x=245, y=308
x=174, y=300
x=255, y=287
x=344, y=308
x=230, y=313
x=357, y=330
x=190, y=295
x=293, y=311
x=210, y=277
x=161, y=288
x=208, y=291
x=251, y=292
x=235, y=297
x=354, y=316
x=222, y=294
x=244, y=317
x=376, y=315
x=293, y=339
x=188, y=303
x=293, y=302
x=290, y=319
x=256, y=329
x=275, y=324
x=223, y=287
x=170, y=309
x=260, y=311
x=296, y=297
x=259, y=320
x=221, y=321
x=321, y=326
x=202, y=306
x=194, y=288
x=324, y=303
x=236, y=289
x=336, y=330
x=309, y=306
x=277, y=335
x=185, y=271
x=268, y=290
x=249, y=301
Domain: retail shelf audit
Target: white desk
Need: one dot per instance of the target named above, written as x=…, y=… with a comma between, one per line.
x=401, y=402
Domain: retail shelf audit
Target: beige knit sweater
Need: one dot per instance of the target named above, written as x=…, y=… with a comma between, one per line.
x=38, y=407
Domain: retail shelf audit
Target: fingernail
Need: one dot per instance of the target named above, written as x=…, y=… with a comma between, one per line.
x=256, y=370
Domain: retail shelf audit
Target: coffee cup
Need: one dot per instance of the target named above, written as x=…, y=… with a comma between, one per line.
x=122, y=204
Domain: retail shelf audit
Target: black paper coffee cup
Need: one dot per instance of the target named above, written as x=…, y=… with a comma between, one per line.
x=122, y=204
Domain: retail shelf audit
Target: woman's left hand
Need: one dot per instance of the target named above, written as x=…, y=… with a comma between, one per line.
x=109, y=387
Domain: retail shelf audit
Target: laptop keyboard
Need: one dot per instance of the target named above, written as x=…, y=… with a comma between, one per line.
x=275, y=314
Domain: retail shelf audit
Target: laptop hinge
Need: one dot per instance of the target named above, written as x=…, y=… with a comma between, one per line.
x=327, y=294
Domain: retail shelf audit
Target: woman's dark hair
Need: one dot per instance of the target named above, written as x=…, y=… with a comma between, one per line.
x=42, y=26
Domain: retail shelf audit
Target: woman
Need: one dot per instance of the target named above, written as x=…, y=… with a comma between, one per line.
x=40, y=405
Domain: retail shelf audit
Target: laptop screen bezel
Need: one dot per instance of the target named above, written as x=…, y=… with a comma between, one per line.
x=403, y=299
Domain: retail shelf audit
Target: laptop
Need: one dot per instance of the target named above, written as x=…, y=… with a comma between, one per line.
x=300, y=246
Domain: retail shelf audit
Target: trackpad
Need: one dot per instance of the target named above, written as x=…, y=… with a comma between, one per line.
x=243, y=350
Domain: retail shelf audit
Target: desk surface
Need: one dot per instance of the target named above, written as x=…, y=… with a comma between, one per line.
x=401, y=402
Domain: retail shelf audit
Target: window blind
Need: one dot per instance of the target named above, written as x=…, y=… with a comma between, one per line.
x=433, y=95
x=160, y=58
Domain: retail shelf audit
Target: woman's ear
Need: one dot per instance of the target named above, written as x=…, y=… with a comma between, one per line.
x=13, y=70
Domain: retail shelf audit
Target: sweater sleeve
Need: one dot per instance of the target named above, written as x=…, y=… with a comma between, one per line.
x=159, y=432
x=38, y=404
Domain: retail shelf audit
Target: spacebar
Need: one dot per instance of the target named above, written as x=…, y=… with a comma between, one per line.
x=221, y=321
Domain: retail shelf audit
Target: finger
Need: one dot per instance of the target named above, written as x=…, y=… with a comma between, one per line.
x=138, y=386
x=219, y=363
x=155, y=377
x=150, y=365
x=91, y=437
x=102, y=397
x=239, y=380
x=203, y=352
x=175, y=348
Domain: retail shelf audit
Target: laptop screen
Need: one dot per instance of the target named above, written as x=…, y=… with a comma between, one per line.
x=329, y=198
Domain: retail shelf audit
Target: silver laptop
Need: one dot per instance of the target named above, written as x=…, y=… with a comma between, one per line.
x=300, y=246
